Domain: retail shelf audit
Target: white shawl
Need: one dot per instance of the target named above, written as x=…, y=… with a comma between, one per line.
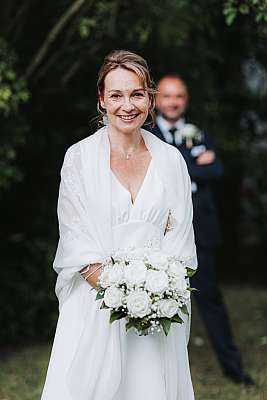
x=84, y=213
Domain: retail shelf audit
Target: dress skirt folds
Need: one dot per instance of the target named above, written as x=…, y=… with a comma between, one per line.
x=92, y=359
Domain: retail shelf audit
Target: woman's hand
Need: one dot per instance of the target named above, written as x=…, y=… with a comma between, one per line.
x=93, y=274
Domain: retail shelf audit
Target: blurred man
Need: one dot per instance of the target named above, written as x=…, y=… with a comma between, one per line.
x=204, y=167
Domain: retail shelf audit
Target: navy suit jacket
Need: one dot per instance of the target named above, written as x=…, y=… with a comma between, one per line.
x=205, y=221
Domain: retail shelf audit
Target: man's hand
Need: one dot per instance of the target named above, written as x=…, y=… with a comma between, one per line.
x=207, y=157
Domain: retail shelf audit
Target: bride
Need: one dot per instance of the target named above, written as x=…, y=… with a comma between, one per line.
x=120, y=188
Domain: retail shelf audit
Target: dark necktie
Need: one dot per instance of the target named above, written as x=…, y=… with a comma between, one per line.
x=172, y=131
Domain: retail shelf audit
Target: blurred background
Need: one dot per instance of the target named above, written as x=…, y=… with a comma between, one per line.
x=50, y=53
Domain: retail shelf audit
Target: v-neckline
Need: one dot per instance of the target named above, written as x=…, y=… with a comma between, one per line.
x=133, y=203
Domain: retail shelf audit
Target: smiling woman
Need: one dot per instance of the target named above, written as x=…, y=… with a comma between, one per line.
x=126, y=98
x=124, y=61
x=99, y=216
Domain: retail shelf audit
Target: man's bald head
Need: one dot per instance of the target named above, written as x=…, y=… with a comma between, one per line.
x=172, y=97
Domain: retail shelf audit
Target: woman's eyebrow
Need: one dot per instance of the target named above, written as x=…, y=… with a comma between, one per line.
x=119, y=91
x=114, y=90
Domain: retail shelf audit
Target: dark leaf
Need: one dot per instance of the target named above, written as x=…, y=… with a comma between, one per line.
x=130, y=324
x=177, y=319
x=115, y=315
x=190, y=272
x=184, y=310
x=100, y=294
x=166, y=324
x=103, y=305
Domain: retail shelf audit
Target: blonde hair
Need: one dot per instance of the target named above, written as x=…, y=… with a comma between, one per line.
x=132, y=62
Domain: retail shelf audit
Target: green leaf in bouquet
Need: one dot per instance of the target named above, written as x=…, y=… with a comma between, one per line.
x=190, y=272
x=103, y=305
x=100, y=294
x=177, y=319
x=192, y=289
x=115, y=315
x=130, y=324
x=166, y=324
x=184, y=310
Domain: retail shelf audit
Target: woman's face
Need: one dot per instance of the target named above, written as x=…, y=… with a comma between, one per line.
x=125, y=100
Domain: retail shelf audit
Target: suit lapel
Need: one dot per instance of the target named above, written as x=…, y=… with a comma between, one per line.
x=158, y=132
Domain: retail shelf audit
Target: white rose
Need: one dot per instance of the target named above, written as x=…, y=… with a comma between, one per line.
x=168, y=307
x=115, y=275
x=179, y=284
x=135, y=272
x=104, y=278
x=157, y=281
x=113, y=297
x=176, y=268
x=138, y=304
x=158, y=261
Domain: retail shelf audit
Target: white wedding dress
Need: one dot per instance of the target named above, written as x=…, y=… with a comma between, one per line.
x=153, y=367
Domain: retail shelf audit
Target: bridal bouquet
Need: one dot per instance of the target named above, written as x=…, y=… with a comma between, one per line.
x=150, y=291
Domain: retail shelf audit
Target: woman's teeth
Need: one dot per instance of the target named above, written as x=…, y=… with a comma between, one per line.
x=127, y=117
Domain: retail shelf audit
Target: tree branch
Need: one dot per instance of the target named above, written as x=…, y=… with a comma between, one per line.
x=19, y=21
x=52, y=35
x=66, y=42
x=62, y=54
x=74, y=68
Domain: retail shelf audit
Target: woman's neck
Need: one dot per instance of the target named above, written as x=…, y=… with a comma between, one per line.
x=124, y=141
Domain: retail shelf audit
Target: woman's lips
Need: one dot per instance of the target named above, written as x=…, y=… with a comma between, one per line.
x=128, y=117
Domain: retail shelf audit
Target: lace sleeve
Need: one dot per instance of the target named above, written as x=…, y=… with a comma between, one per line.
x=179, y=234
x=76, y=247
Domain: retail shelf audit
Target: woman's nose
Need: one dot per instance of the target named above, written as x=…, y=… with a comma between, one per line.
x=127, y=105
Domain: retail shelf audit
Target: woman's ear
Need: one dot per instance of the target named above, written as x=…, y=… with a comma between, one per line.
x=102, y=102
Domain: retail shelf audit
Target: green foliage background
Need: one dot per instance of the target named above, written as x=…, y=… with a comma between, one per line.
x=50, y=53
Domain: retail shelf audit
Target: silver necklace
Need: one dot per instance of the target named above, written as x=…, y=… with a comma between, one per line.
x=128, y=154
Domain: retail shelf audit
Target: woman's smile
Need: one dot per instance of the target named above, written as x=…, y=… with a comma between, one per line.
x=128, y=118
x=125, y=100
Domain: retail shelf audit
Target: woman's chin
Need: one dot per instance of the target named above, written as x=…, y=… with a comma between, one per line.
x=128, y=126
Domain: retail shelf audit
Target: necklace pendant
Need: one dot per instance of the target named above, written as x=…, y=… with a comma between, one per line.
x=128, y=155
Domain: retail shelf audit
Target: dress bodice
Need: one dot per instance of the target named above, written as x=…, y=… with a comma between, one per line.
x=142, y=223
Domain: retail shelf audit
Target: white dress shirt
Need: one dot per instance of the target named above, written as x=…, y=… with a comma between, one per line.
x=165, y=127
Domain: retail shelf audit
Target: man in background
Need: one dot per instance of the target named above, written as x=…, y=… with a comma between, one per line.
x=204, y=167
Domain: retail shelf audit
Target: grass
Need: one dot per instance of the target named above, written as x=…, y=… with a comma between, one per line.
x=22, y=373
x=248, y=313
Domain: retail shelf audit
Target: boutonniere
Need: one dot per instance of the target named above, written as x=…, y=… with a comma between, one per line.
x=191, y=133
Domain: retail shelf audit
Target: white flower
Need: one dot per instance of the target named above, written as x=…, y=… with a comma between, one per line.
x=157, y=281
x=168, y=307
x=135, y=273
x=111, y=275
x=113, y=297
x=104, y=277
x=158, y=260
x=179, y=284
x=138, y=304
x=190, y=131
x=115, y=275
x=176, y=268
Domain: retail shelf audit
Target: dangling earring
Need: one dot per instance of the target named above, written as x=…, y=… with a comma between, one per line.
x=105, y=119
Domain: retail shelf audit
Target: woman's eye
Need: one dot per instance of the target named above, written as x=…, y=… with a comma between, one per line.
x=139, y=94
x=115, y=96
